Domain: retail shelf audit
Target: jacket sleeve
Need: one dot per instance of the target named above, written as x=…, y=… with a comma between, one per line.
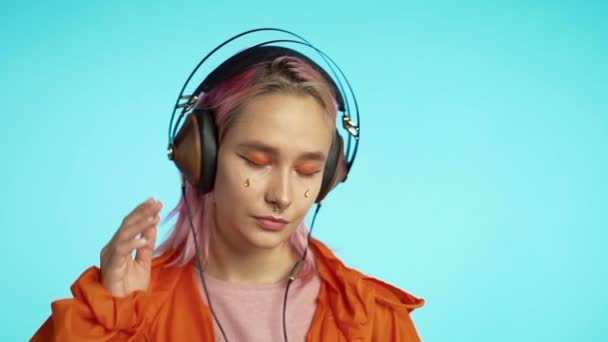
x=393, y=324
x=94, y=315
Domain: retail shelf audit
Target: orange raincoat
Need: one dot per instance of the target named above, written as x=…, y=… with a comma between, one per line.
x=350, y=307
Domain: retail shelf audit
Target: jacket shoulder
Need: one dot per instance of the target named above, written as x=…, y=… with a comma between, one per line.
x=362, y=306
x=338, y=275
x=390, y=295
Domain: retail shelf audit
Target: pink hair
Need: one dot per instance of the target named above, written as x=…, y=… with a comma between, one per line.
x=289, y=75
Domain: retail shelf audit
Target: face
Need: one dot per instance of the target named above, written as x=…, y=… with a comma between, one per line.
x=272, y=155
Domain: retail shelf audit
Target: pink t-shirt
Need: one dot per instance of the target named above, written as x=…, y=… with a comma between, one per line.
x=255, y=312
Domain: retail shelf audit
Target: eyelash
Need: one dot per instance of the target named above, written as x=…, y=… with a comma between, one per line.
x=252, y=163
x=258, y=166
x=308, y=175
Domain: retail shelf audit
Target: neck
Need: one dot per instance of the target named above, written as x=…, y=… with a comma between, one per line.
x=248, y=265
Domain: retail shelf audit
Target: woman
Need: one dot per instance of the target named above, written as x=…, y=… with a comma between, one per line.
x=259, y=276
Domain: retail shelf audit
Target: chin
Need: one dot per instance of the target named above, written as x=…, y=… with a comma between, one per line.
x=267, y=240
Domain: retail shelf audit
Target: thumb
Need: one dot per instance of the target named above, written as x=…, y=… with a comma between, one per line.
x=145, y=253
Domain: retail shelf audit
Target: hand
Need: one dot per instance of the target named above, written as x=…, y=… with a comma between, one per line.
x=122, y=274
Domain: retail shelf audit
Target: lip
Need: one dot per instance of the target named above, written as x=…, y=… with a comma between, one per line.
x=271, y=222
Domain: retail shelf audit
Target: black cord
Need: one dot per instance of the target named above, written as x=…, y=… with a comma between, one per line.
x=292, y=275
x=285, y=309
x=295, y=270
x=198, y=262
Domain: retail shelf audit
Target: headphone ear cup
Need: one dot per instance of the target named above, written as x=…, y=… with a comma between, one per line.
x=336, y=168
x=195, y=150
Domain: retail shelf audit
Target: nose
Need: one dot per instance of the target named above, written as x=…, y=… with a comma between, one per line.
x=278, y=194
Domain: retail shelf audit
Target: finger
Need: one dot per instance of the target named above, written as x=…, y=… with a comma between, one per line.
x=146, y=213
x=144, y=254
x=118, y=252
x=137, y=209
x=142, y=210
x=130, y=232
x=126, y=248
x=133, y=225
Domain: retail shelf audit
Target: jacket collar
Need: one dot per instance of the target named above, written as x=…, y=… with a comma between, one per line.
x=352, y=296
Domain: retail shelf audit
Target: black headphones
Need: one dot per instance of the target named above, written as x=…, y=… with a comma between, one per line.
x=194, y=147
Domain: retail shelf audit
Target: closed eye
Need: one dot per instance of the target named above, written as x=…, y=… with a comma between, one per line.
x=308, y=174
x=258, y=163
x=252, y=163
x=308, y=170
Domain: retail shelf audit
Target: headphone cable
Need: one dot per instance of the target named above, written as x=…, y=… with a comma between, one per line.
x=292, y=275
x=295, y=270
x=198, y=262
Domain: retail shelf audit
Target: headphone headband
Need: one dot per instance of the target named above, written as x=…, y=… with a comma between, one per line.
x=194, y=147
x=258, y=54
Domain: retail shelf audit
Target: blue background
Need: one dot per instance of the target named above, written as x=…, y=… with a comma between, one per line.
x=481, y=179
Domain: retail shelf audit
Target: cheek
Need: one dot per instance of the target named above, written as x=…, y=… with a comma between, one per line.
x=230, y=190
x=312, y=185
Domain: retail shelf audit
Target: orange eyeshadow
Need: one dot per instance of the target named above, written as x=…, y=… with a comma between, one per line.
x=308, y=168
x=258, y=158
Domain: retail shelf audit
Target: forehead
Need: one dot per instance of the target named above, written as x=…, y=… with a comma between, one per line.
x=290, y=123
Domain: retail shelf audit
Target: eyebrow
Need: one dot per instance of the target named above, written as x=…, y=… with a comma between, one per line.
x=262, y=147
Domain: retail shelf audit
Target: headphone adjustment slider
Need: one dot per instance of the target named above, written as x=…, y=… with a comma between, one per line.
x=170, y=152
x=348, y=124
x=190, y=102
